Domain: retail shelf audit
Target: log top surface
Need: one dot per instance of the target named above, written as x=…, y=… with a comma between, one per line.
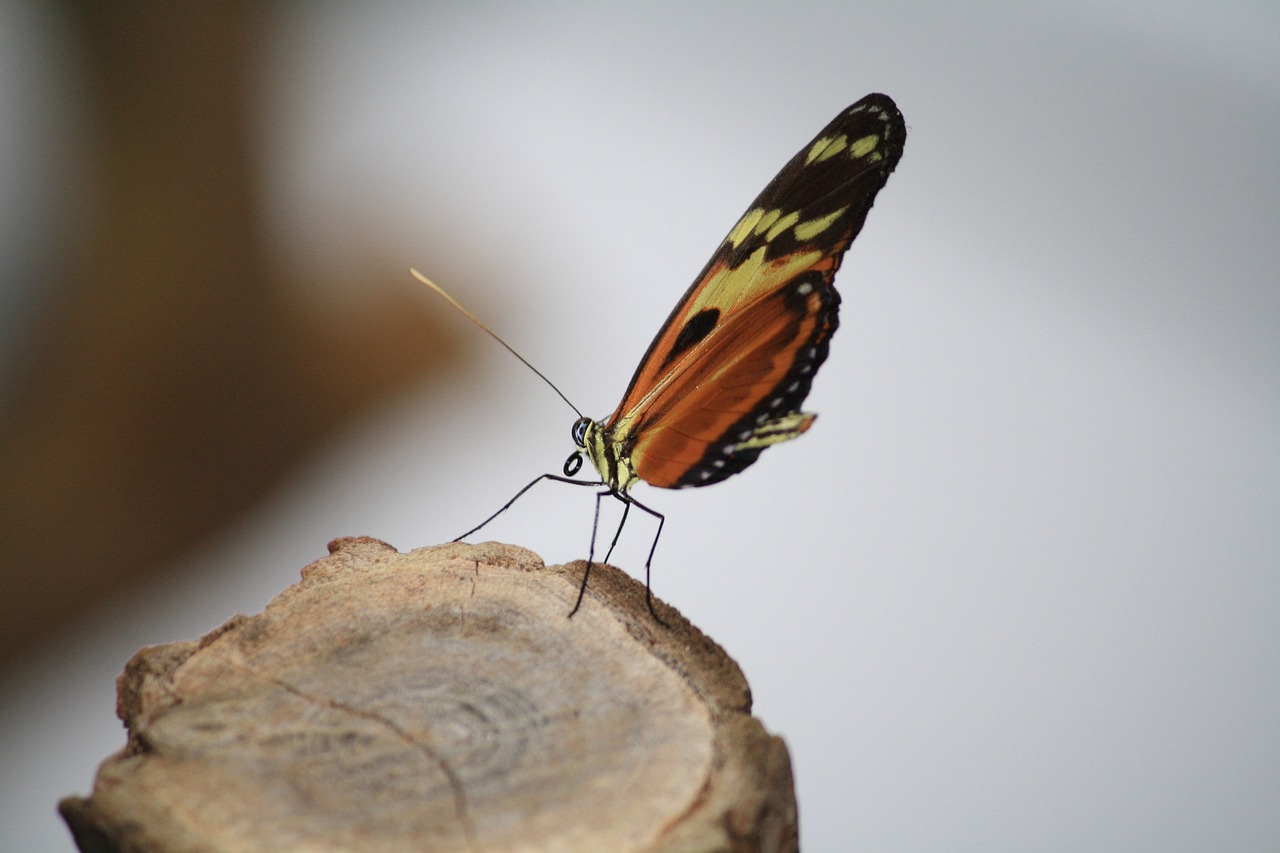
x=441, y=700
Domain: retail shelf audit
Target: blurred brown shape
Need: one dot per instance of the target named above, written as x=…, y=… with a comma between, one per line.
x=173, y=381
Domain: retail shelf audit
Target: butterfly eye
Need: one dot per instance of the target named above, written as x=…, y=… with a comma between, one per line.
x=580, y=432
x=573, y=464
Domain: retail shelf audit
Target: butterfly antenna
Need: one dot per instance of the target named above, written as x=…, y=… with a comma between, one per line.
x=491, y=333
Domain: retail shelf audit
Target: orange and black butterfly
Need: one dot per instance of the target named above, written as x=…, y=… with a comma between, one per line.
x=726, y=375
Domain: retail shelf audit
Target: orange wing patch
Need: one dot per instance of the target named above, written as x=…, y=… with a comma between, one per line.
x=710, y=421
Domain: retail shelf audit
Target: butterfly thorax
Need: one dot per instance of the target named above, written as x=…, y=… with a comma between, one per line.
x=609, y=456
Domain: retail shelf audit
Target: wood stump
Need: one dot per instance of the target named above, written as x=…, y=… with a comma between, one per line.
x=441, y=700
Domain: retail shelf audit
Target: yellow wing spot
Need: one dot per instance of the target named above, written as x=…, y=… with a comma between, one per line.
x=864, y=146
x=825, y=148
x=806, y=231
x=766, y=221
x=727, y=286
x=744, y=227
x=782, y=225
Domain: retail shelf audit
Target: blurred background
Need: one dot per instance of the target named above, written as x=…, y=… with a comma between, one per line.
x=1019, y=588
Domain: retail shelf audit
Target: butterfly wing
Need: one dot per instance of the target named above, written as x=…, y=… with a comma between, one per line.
x=727, y=372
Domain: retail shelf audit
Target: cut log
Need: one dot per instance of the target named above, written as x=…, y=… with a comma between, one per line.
x=441, y=700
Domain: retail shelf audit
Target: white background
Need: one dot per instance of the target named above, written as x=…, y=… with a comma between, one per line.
x=1018, y=588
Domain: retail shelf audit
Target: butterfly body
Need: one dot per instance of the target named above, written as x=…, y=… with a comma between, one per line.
x=726, y=375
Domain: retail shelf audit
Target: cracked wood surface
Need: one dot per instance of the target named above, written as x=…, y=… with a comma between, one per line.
x=441, y=700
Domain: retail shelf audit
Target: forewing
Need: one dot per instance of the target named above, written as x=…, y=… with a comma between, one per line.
x=760, y=314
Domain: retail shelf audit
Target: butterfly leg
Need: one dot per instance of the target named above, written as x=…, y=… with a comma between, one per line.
x=591, y=551
x=626, y=508
x=520, y=494
x=648, y=590
x=628, y=501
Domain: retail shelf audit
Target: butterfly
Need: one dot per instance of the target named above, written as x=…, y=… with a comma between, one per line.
x=727, y=372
